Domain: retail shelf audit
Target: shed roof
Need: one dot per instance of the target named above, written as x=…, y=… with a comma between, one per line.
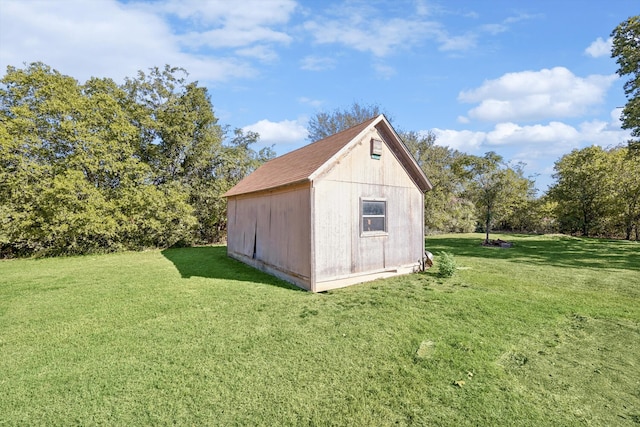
x=300, y=165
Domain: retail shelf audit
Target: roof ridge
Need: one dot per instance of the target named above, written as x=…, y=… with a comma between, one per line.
x=327, y=137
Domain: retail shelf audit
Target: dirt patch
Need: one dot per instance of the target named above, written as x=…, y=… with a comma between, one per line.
x=497, y=243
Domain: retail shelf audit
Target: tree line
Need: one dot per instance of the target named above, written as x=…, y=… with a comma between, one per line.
x=102, y=166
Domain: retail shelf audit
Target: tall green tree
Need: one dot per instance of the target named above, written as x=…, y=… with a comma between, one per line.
x=68, y=160
x=51, y=147
x=100, y=166
x=179, y=135
x=624, y=171
x=182, y=141
x=626, y=50
x=583, y=191
x=496, y=188
x=446, y=209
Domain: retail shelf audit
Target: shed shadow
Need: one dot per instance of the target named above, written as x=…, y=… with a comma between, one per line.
x=212, y=262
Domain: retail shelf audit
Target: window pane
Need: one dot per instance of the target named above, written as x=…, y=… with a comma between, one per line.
x=372, y=208
x=373, y=224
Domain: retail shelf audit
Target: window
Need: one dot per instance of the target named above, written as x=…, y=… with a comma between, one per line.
x=374, y=216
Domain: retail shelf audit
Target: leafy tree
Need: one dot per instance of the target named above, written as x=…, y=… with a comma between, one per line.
x=325, y=124
x=182, y=141
x=626, y=50
x=583, y=190
x=496, y=189
x=68, y=160
x=624, y=177
x=179, y=134
x=98, y=166
x=536, y=215
x=598, y=192
x=446, y=210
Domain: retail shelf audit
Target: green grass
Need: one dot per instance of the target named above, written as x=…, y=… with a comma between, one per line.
x=544, y=333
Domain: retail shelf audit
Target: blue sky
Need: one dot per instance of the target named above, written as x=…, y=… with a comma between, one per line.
x=531, y=80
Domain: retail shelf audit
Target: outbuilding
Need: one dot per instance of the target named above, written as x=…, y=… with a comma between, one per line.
x=342, y=210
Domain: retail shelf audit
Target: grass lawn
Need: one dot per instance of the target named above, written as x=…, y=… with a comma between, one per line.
x=544, y=333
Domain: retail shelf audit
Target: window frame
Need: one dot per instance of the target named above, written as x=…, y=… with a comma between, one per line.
x=368, y=233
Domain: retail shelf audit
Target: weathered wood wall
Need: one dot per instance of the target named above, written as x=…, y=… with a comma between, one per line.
x=340, y=249
x=278, y=225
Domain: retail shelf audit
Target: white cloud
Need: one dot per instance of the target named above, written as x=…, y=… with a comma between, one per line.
x=263, y=53
x=316, y=103
x=283, y=132
x=232, y=37
x=422, y=8
x=248, y=14
x=360, y=26
x=213, y=24
x=554, y=137
x=513, y=134
x=603, y=133
x=599, y=48
x=384, y=71
x=457, y=43
x=315, y=63
x=505, y=25
x=377, y=37
x=106, y=38
x=494, y=29
x=463, y=140
x=535, y=95
x=616, y=118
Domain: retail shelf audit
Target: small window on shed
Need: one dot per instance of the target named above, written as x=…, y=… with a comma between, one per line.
x=374, y=216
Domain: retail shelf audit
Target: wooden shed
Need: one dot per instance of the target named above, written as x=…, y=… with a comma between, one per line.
x=342, y=210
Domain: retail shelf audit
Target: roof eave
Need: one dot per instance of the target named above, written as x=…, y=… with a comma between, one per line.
x=231, y=193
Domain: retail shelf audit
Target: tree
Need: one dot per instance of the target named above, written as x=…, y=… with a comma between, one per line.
x=70, y=171
x=102, y=167
x=625, y=200
x=626, y=50
x=598, y=192
x=325, y=124
x=179, y=134
x=446, y=210
x=181, y=139
x=496, y=189
x=583, y=191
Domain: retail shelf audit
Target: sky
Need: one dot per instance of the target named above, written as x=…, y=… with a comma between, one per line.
x=530, y=80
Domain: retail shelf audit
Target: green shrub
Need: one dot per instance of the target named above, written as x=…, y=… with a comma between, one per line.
x=447, y=265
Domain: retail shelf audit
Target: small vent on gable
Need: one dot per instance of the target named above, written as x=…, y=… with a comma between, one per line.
x=376, y=148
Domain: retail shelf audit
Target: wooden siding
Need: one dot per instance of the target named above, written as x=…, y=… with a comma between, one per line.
x=339, y=246
x=277, y=224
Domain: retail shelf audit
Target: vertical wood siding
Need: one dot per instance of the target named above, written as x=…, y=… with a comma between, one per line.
x=340, y=249
x=277, y=224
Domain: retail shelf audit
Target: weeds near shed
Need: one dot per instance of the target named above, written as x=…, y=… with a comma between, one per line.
x=447, y=265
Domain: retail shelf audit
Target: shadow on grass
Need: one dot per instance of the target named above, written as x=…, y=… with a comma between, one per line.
x=213, y=262
x=563, y=251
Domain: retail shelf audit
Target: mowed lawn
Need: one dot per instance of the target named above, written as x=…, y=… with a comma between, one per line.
x=544, y=333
